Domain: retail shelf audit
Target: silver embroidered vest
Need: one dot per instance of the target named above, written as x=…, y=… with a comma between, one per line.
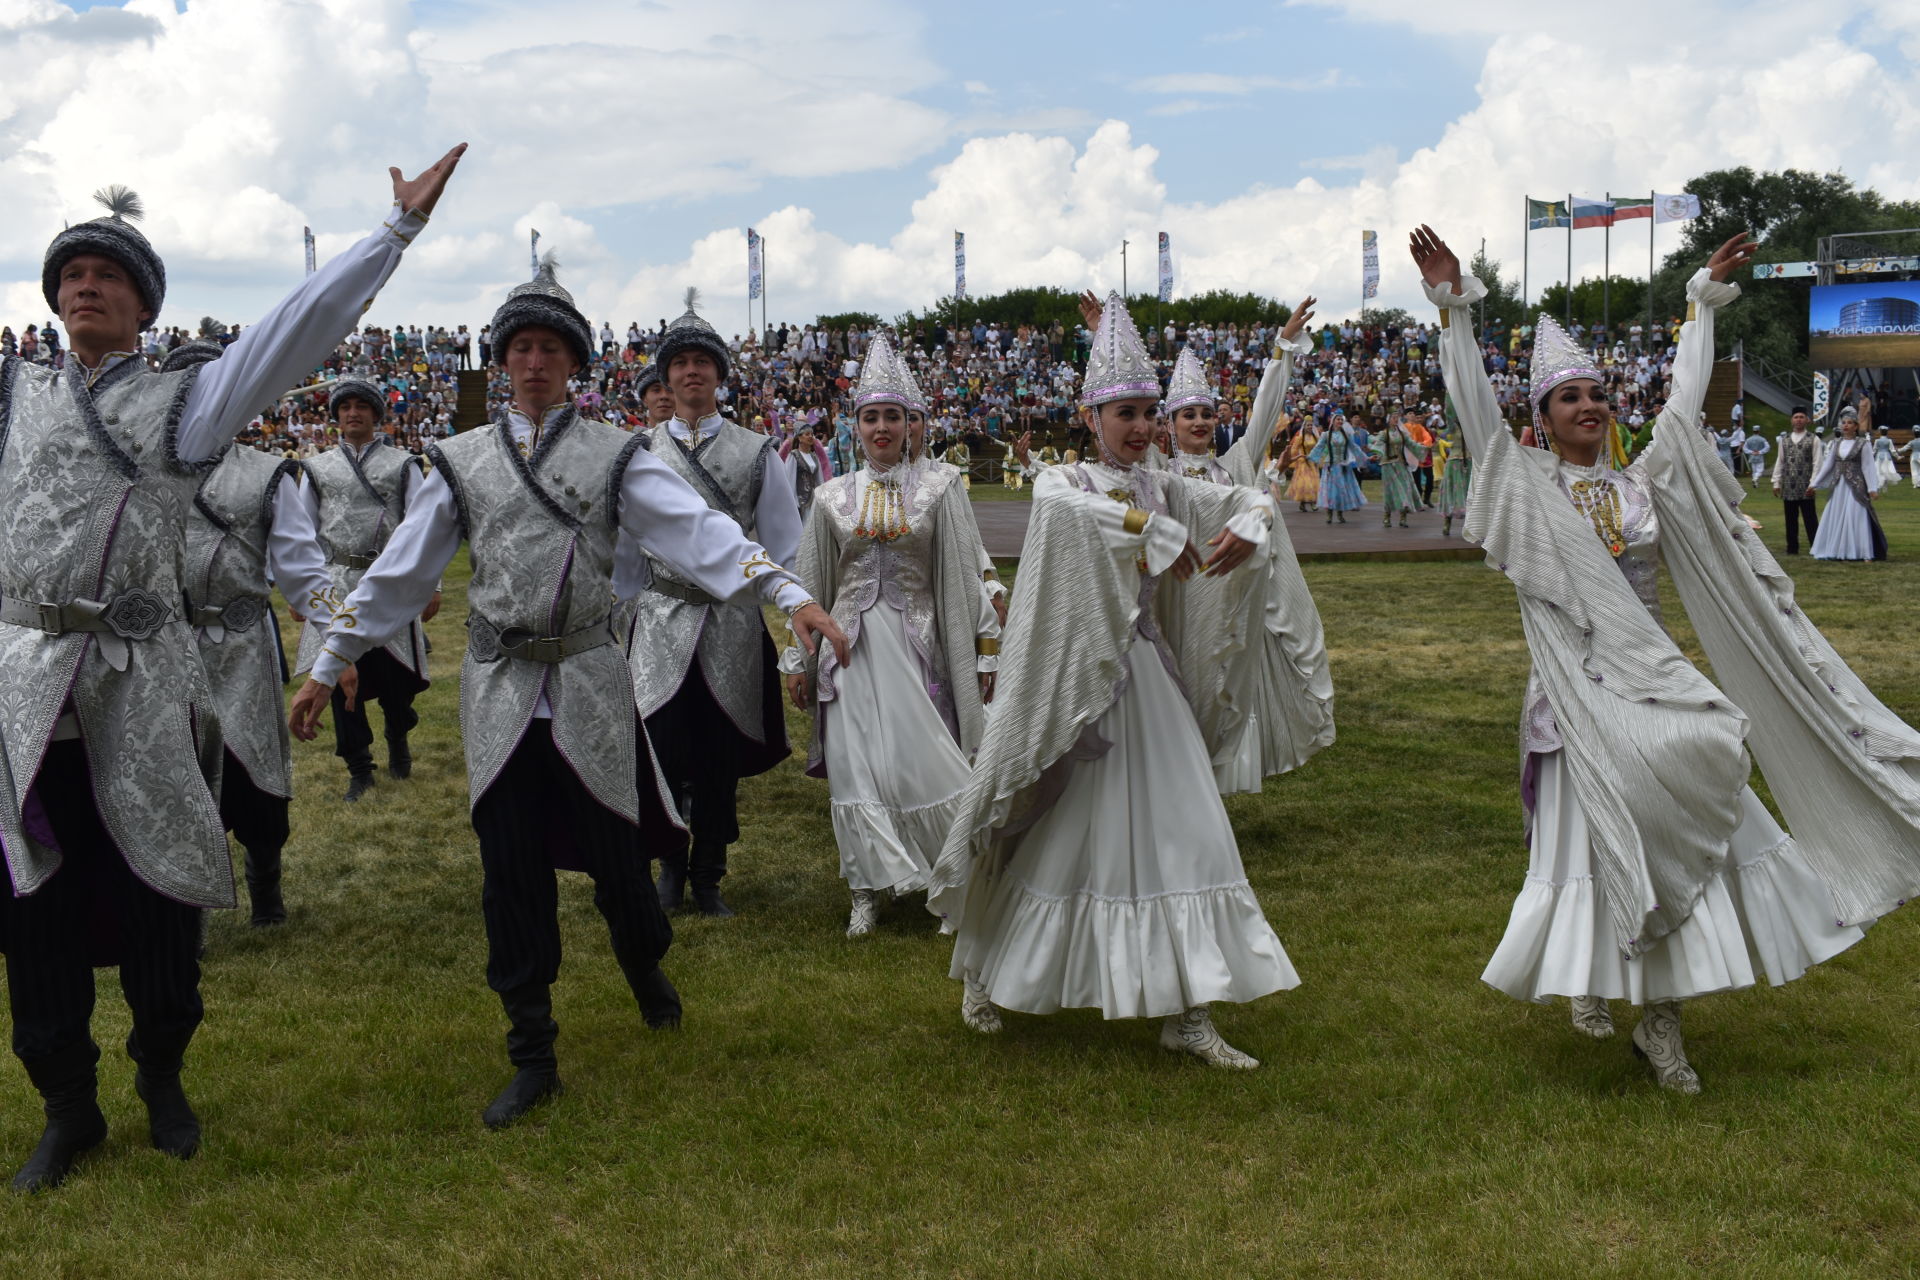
x=362, y=501
x=227, y=532
x=541, y=532
x=93, y=505
x=1796, y=466
x=726, y=470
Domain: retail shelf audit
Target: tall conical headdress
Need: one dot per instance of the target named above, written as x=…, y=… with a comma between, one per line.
x=1189, y=384
x=1118, y=367
x=541, y=301
x=113, y=236
x=882, y=377
x=691, y=333
x=1555, y=360
x=916, y=398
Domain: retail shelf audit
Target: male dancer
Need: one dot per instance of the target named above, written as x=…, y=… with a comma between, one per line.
x=656, y=401
x=1793, y=470
x=248, y=529
x=109, y=748
x=703, y=666
x=559, y=772
x=357, y=494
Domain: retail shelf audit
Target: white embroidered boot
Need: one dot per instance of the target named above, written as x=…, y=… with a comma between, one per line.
x=976, y=1009
x=1592, y=1017
x=1657, y=1039
x=866, y=914
x=1193, y=1032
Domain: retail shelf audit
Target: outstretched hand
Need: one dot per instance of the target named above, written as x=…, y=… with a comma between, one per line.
x=1023, y=448
x=1438, y=264
x=303, y=718
x=811, y=624
x=419, y=195
x=1233, y=552
x=1298, y=320
x=1732, y=255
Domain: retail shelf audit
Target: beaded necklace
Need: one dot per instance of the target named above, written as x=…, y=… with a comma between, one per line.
x=1599, y=502
x=883, y=508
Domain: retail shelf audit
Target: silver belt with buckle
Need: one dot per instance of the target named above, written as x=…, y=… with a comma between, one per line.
x=679, y=591
x=242, y=613
x=346, y=561
x=134, y=614
x=489, y=643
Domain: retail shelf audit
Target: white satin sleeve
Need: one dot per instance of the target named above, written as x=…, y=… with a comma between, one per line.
x=1159, y=541
x=1462, y=367
x=400, y=582
x=284, y=347
x=666, y=519
x=294, y=558
x=776, y=515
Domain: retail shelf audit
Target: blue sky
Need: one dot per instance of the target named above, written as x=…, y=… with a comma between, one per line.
x=642, y=136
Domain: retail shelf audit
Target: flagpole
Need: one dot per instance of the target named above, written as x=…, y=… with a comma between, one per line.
x=1653, y=218
x=1567, y=311
x=765, y=327
x=1606, y=270
x=1526, y=222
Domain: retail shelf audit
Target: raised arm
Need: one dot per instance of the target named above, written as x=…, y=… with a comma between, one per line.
x=1461, y=365
x=1693, y=362
x=1264, y=418
x=288, y=343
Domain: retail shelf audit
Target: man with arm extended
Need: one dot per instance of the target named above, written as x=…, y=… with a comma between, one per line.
x=109, y=748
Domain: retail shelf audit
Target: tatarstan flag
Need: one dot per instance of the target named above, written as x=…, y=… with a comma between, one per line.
x=1632, y=209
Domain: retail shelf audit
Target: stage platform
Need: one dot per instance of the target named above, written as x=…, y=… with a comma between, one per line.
x=1003, y=527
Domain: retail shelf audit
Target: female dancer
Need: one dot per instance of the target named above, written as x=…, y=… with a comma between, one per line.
x=1304, y=485
x=1849, y=529
x=1399, y=454
x=893, y=551
x=1456, y=470
x=1655, y=874
x=1339, y=457
x=1883, y=455
x=1268, y=709
x=1092, y=863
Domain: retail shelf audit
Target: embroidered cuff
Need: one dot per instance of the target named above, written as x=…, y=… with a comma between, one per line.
x=987, y=647
x=1135, y=521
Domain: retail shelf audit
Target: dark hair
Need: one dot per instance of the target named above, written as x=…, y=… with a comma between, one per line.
x=1800, y=408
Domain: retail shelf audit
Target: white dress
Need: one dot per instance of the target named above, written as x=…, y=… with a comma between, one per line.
x=886, y=722
x=1847, y=526
x=1126, y=894
x=1768, y=913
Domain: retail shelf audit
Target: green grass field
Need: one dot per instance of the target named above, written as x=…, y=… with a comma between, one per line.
x=824, y=1113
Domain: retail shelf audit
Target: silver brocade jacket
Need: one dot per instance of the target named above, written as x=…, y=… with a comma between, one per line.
x=93, y=505
x=227, y=531
x=726, y=470
x=362, y=501
x=929, y=572
x=541, y=532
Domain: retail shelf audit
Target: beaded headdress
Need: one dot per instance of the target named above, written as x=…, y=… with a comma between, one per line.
x=1189, y=384
x=1117, y=366
x=882, y=377
x=916, y=398
x=1556, y=359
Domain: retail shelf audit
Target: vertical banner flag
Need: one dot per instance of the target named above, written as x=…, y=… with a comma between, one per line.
x=1676, y=208
x=1591, y=213
x=1820, y=397
x=1542, y=214
x=960, y=264
x=1624, y=209
x=1369, y=265
x=535, y=256
x=1166, y=268
x=307, y=233
x=754, y=278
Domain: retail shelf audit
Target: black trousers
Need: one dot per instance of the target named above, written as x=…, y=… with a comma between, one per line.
x=257, y=819
x=384, y=680
x=1802, y=509
x=536, y=809
x=704, y=757
x=50, y=936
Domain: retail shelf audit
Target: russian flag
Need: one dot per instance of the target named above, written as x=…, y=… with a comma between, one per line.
x=1592, y=213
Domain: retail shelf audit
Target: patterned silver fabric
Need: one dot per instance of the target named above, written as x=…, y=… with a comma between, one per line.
x=362, y=501
x=931, y=573
x=1796, y=465
x=93, y=503
x=227, y=532
x=725, y=469
x=541, y=532
x=1063, y=662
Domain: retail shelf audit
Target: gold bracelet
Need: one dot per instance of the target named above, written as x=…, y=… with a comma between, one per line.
x=1135, y=520
x=986, y=647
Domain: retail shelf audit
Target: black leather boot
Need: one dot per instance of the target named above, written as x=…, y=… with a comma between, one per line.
x=705, y=868
x=531, y=1032
x=399, y=756
x=69, y=1092
x=673, y=881
x=171, y=1123
x=359, y=775
x=263, y=887
x=659, y=1002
